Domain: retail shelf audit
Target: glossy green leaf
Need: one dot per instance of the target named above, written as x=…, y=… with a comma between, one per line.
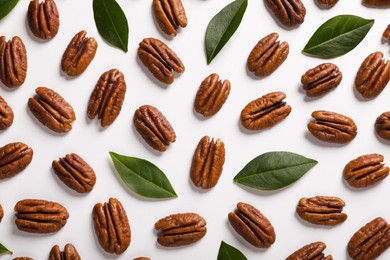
x=111, y=23
x=274, y=170
x=4, y=250
x=143, y=177
x=228, y=252
x=337, y=36
x=6, y=7
x=222, y=27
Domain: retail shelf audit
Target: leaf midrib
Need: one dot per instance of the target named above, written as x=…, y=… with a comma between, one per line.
x=113, y=25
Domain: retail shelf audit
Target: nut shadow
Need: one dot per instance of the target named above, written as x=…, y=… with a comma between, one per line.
x=315, y=141
x=144, y=143
x=31, y=35
x=251, y=132
x=150, y=75
x=380, y=139
x=287, y=28
x=99, y=247
x=65, y=187
x=166, y=36
x=311, y=225
x=353, y=189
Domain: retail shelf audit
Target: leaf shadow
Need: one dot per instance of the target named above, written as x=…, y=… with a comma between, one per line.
x=264, y=193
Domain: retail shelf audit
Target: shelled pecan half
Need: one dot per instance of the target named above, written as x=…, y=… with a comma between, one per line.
x=312, y=251
x=69, y=253
x=14, y=158
x=382, y=125
x=6, y=114
x=290, y=13
x=321, y=79
x=170, y=15
x=43, y=18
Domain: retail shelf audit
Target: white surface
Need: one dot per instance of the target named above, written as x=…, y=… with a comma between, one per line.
x=176, y=103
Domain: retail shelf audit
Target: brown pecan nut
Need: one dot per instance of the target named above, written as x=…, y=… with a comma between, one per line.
x=370, y=241
x=322, y=210
x=1, y=213
x=22, y=258
x=211, y=95
x=107, y=98
x=365, y=171
x=312, y=251
x=265, y=111
x=52, y=110
x=321, y=79
x=154, y=128
x=43, y=18
x=386, y=33
x=13, y=62
x=40, y=216
x=6, y=115
x=382, y=125
x=112, y=227
x=180, y=229
x=377, y=3
x=332, y=127
x=142, y=258
x=373, y=75
x=14, y=158
x=267, y=55
x=75, y=173
x=207, y=162
x=170, y=15
x=290, y=13
x=160, y=60
x=79, y=54
x=252, y=225
x=69, y=253
x=327, y=3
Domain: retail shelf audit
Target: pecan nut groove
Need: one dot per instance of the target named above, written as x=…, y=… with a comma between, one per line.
x=332, y=127
x=70, y=252
x=322, y=210
x=13, y=62
x=160, y=60
x=154, y=128
x=382, y=125
x=107, y=98
x=370, y=241
x=170, y=15
x=312, y=251
x=14, y=158
x=79, y=54
x=252, y=225
x=211, y=95
x=75, y=173
x=321, y=79
x=290, y=13
x=207, y=163
x=373, y=75
x=265, y=111
x=112, y=226
x=52, y=110
x=267, y=55
x=6, y=114
x=180, y=229
x=365, y=171
x=43, y=18
x=40, y=216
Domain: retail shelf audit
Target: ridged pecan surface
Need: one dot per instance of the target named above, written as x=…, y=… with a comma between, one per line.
x=321, y=79
x=377, y=3
x=43, y=18
x=327, y=3
x=386, y=33
x=312, y=251
x=6, y=114
x=14, y=158
x=170, y=15
x=1, y=213
x=290, y=13
x=69, y=253
x=382, y=125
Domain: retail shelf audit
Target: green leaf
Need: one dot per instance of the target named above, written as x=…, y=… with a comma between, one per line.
x=143, y=177
x=222, y=26
x=227, y=252
x=111, y=23
x=6, y=7
x=274, y=170
x=4, y=250
x=337, y=36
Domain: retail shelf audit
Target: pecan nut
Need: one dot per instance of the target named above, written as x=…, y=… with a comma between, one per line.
x=52, y=110
x=154, y=128
x=40, y=216
x=107, y=98
x=332, y=127
x=142, y=258
x=1, y=213
x=180, y=229
x=377, y=3
x=69, y=252
x=373, y=75
x=327, y=3
x=382, y=125
x=79, y=54
x=14, y=158
x=370, y=241
x=265, y=111
x=13, y=62
x=386, y=33
x=112, y=227
x=252, y=225
x=321, y=79
x=290, y=13
x=312, y=251
x=211, y=95
x=22, y=258
x=170, y=15
x=160, y=60
x=75, y=173
x=43, y=18
x=365, y=171
x=6, y=114
x=207, y=162
x=322, y=210
x=267, y=55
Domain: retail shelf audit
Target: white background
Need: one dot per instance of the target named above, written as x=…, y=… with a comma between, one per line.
x=176, y=102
